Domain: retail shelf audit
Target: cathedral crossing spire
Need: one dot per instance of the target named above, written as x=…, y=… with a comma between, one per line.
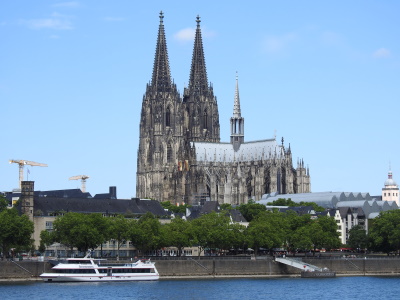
x=237, y=122
x=236, y=104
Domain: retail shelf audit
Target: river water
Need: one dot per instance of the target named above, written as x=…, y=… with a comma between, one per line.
x=261, y=288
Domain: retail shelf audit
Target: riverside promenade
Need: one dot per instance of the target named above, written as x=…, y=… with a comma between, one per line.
x=210, y=267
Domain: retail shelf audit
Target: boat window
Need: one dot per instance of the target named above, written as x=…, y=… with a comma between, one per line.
x=127, y=270
x=79, y=262
x=76, y=271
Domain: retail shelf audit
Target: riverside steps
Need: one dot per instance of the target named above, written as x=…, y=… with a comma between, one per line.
x=298, y=264
x=307, y=270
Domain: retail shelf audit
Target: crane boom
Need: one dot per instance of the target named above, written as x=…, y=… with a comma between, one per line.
x=83, y=181
x=21, y=163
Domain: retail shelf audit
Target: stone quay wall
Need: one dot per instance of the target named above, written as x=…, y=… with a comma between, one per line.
x=359, y=266
x=25, y=270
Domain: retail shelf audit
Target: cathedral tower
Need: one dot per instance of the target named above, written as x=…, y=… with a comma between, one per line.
x=160, y=127
x=201, y=109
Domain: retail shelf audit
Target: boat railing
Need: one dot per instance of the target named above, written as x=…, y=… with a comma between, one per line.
x=107, y=264
x=201, y=257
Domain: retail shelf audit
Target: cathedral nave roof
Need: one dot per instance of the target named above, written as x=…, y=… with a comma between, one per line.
x=224, y=152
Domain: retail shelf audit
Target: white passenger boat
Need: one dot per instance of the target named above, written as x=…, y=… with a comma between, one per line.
x=93, y=269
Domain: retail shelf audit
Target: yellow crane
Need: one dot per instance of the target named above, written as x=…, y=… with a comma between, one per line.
x=21, y=164
x=83, y=181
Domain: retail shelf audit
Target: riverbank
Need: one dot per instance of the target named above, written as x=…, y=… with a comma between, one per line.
x=222, y=268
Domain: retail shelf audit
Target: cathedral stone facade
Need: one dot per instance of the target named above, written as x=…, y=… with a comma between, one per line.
x=180, y=156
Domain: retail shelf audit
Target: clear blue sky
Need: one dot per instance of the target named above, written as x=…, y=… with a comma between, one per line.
x=323, y=74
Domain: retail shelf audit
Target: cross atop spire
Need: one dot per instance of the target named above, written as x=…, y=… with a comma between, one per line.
x=198, y=82
x=161, y=79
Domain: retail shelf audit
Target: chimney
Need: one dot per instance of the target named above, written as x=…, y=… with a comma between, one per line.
x=113, y=192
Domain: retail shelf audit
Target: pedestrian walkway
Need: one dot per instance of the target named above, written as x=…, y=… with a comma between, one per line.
x=298, y=264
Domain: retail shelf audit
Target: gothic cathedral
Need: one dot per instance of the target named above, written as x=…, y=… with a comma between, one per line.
x=180, y=157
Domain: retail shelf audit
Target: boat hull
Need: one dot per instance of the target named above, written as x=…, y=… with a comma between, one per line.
x=51, y=277
x=318, y=274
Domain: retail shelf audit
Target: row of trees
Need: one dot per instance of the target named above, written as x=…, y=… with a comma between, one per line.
x=212, y=231
x=15, y=230
x=289, y=202
x=383, y=236
x=252, y=209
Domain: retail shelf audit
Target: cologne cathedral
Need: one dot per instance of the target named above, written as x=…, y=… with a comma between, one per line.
x=180, y=157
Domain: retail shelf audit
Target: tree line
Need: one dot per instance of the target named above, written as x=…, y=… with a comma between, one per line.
x=216, y=232
x=213, y=232
x=383, y=235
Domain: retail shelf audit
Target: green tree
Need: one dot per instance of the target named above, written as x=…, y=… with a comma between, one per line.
x=119, y=230
x=175, y=208
x=297, y=235
x=314, y=205
x=289, y=202
x=384, y=233
x=266, y=230
x=102, y=224
x=88, y=235
x=15, y=230
x=3, y=203
x=226, y=206
x=78, y=230
x=251, y=210
x=323, y=233
x=63, y=226
x=358, y=238
x=47, y=238
x=178, y=234
x=282, y=202
x=301, y=238
x=146, y=233
x=211, y=231
x=237, y=239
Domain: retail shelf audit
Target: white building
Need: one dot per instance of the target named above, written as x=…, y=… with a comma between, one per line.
x=391, y=190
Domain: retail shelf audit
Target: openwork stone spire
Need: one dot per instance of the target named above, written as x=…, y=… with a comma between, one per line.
x=236, y=104
x=237, y=122
x=161, y=79
x=198, y=82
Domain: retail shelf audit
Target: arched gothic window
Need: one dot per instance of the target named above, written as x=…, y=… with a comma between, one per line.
x=169, y=153
x=205, y=119
x=168, y=117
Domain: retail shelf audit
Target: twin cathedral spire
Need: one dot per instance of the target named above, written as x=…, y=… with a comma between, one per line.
x=170, y=122
x=195, y=114
x=176, y=131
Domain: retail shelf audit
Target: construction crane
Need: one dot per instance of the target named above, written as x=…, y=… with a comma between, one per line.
x=83, y=181
x=21, y=164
